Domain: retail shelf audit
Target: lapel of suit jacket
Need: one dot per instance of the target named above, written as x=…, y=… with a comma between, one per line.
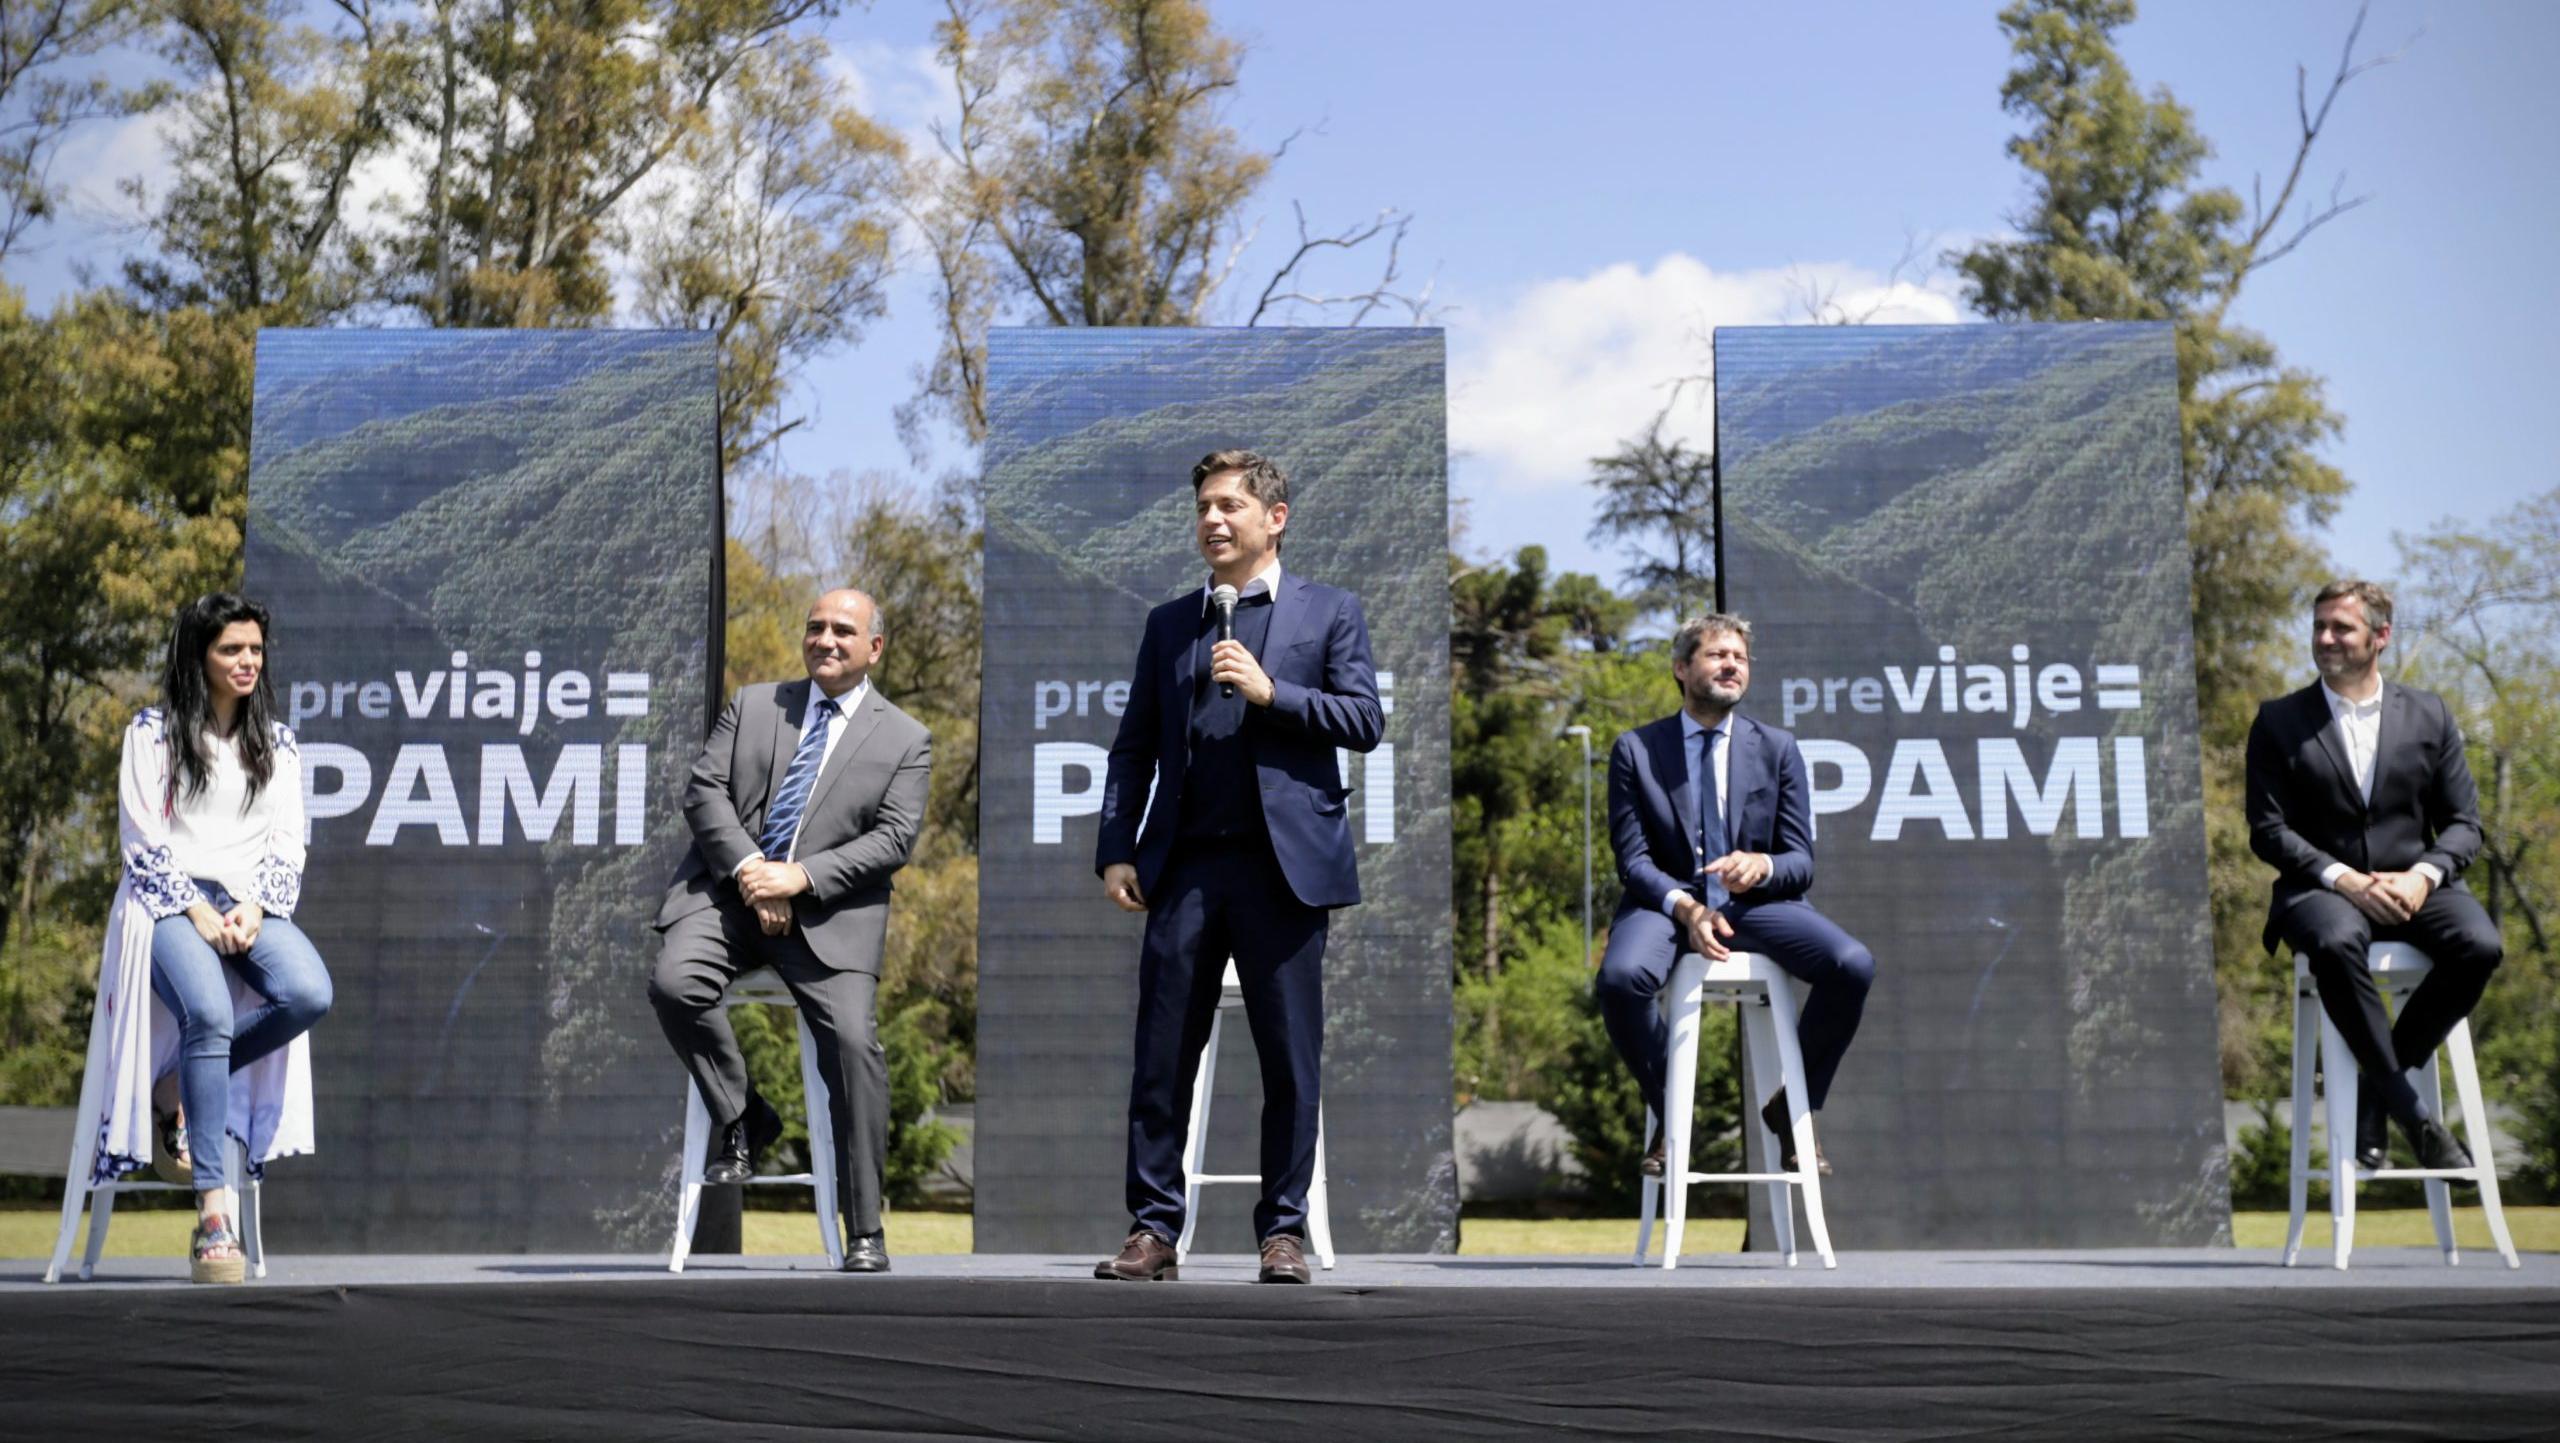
x=1188, y=656
x=790, y=704
x=1288, y=611
x=2333, y=741
x=2391, y=728
x=1670, y=747
x=857, y=730
x=1741, y=773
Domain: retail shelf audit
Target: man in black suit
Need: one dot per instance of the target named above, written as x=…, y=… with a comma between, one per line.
x=806, y=799
x=2360, y=798
x=1243, y=852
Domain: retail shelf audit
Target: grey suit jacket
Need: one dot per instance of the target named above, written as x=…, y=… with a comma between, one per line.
x=861, y=820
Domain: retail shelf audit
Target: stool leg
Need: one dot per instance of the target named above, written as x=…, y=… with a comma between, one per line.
x=2306, y=1047
x=1800, y=1118
x=2340, y=1069
x=253, y=1227
x=252, y=1220
x=1319, y=1202
x=2475, y=1121
x=822, y=1145
x=1679, y=1094
x=697, y=1155
x=1195, y=1142
x=102, y=1211
x=2439, y=1191
x=75, y=1199
x=1648, y=1193
x=1760, y=1044
x=75, y=1182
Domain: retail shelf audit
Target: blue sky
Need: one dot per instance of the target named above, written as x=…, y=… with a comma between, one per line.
x=1596, y=187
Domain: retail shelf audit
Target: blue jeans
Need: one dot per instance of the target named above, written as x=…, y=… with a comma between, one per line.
x=190, y=978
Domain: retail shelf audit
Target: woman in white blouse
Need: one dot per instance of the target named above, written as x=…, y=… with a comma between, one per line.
x=212, y=821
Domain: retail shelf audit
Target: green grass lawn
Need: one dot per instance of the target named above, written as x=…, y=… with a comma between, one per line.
x=28, y=1233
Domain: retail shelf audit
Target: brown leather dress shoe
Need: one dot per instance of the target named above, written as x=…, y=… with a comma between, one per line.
x=1284, y=1259
x=1147, y=1257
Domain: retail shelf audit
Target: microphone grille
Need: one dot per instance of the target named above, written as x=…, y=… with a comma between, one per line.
x=1223, y=595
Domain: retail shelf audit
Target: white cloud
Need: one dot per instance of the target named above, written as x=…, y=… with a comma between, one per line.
x=97, y=159
x=1575, y=365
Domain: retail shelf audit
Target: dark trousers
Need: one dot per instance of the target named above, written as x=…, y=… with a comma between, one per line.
x=2332, y=937
x=1215, y=901
x=699, y=957
x=1643, y=945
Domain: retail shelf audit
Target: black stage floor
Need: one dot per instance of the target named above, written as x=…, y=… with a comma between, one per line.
x=2136, y=1344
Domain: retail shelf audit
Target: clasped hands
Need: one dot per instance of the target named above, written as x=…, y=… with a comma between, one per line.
x=2389, y=898
x=229, y=933
x=1705, y=928
x=769, y=887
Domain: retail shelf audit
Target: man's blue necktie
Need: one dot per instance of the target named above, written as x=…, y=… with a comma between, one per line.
x=782, y=819
x=1711, y=836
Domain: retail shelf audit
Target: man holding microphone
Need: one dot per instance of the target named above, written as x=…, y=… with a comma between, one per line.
x=1244, y=689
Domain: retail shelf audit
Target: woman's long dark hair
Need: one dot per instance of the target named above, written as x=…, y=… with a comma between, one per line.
x=190, y=702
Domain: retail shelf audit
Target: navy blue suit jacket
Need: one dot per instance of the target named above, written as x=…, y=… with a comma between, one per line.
x=1324, y=695
x=1653, y=811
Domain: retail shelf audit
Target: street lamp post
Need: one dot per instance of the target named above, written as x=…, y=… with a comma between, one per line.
x=1584, y=734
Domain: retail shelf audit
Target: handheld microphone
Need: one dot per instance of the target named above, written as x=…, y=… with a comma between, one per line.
x=1224, y=598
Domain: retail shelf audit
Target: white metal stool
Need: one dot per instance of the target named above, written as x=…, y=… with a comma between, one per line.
x=1196, y=1146
x=2397, y=967
x=101, y=1200
x=763, y=986
x=1766, y=995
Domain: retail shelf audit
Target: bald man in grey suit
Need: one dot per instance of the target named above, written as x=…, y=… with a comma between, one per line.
x=805, y=800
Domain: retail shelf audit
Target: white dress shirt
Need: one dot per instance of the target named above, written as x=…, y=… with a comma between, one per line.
x=846, y=706
x=1720, y=753
x=1267, y=580
x=2359, y=725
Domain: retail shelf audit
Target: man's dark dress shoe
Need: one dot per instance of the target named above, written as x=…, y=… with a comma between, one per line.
x=742, y=1142
x=1146, y=1257
x=868, y=1253
x=1653, y=1163
x=2438, y=1149
x=2370, y=1139
x=1284, y=1259
x=1774, y=1113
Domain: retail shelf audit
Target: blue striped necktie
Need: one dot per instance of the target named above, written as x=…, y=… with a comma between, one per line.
x=782, y=819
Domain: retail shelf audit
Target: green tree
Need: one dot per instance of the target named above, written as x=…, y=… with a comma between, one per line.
x=39, y=107
x=276, y=117
x=1657, y=502
x=2118, y=225
x=1506, y=649
x=541, y=119
x=773, y=233
x=119, y=490
x=2479, y=623
x=1088, y=180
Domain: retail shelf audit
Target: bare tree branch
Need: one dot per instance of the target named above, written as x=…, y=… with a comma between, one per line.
x=1392, y=224
x=2257, y=251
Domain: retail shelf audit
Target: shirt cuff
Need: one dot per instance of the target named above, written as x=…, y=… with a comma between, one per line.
x=2435, y=876
x=2330, y=874
x=1671, y=903
x=742, y=863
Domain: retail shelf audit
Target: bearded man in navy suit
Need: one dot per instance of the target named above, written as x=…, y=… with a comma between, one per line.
x=1243, y=852
x=1711, y=816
